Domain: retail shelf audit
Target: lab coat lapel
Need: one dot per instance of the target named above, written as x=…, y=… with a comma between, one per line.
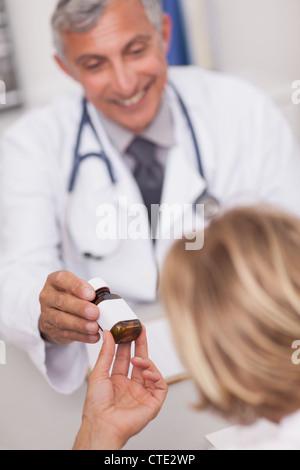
x=133, y=257
x=183, y=185
x=183, y=181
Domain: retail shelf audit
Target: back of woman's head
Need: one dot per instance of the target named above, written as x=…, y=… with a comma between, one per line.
x=234, y=307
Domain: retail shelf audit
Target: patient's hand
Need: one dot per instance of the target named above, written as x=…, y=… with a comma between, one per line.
x=118, y=407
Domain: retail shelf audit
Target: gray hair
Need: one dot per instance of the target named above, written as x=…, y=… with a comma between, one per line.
x=80, y=16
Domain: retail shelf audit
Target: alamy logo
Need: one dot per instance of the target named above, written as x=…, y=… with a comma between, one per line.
x=124, y=221
x=2, y=92
x=296, y=93
x=2, y=353
x=296, y=354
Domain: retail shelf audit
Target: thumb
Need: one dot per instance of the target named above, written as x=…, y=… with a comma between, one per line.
x=106, y=356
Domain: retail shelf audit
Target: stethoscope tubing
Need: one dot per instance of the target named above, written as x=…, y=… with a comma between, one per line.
x=205, y=198
x=78, y=159
x=191, y=129
x=86, y=120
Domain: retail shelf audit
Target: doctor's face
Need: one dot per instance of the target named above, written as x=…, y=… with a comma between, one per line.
x=121, y=64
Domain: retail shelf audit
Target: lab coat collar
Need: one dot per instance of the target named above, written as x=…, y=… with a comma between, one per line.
x=183, y=184
x=160, y=131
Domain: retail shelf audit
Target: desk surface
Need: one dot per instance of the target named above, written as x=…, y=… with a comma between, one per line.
x=34, y=417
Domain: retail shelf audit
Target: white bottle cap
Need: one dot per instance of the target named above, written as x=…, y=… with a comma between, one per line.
x=98, y=283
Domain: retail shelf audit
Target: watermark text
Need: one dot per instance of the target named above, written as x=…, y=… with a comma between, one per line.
x=296, y=93
x=167, y=222
x=296, y=354
x=2, y=92
x=2, y=353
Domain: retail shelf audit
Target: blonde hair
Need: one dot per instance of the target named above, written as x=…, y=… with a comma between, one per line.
x=234, y=308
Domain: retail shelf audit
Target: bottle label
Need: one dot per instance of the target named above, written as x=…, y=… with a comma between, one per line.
x=114, y=311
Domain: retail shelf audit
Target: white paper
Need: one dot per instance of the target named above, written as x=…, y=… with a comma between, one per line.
x=243, y=437
x=162, y=350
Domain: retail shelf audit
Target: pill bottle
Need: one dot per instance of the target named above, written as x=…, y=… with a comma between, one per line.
x=115, y=314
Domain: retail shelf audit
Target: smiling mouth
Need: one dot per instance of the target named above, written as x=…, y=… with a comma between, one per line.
x=134, y=100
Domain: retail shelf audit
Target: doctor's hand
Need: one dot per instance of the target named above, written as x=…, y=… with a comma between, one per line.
x=67, y=313
x=117, y=407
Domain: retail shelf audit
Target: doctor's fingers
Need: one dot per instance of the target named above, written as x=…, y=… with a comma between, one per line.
x=68, y=303
x=63, y=328
x=66, y=281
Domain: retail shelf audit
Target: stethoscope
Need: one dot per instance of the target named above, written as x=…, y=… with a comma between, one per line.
x=210, y=204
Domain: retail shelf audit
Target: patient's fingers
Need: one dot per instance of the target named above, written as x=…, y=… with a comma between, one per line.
x=141, y=351
x=106, y=356
x=152, y=378
x=122, y=360
x=141, y=344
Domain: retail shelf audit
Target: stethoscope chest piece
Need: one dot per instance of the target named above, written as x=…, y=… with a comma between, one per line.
x=211, y=206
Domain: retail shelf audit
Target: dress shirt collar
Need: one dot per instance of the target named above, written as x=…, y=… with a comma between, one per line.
x=160, y=131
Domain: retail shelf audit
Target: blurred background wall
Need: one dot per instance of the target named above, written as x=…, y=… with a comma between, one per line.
x=259, y=40
x=255, y=39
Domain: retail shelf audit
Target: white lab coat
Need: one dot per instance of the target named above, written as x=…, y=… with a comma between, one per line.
x=248, y=153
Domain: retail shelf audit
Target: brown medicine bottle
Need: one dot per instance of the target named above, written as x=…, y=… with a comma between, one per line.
x=115, y=314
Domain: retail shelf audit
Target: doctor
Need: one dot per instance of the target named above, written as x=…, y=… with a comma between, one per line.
x=206, y=134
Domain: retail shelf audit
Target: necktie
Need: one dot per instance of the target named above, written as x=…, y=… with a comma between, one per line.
x=148, y=172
